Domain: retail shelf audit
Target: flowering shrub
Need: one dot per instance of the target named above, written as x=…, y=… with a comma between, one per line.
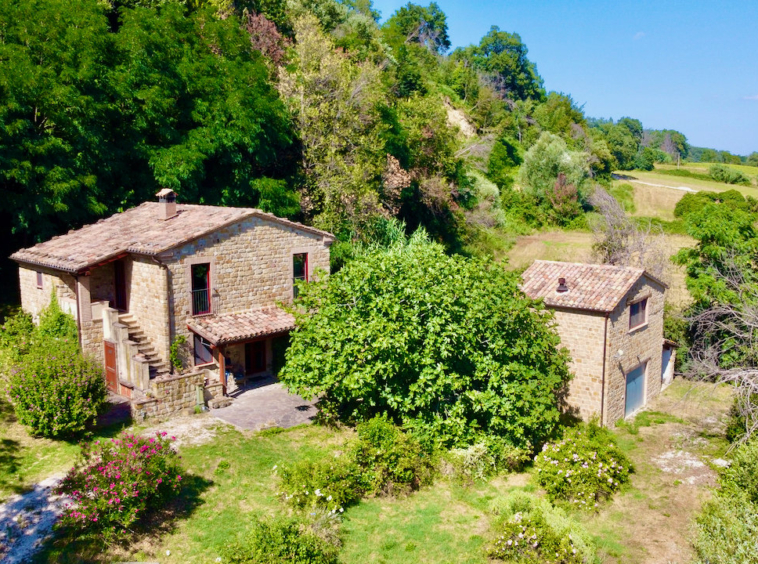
x=584, y=468
x=482, y=459
x=381, y=460
x=56, y=391
x=328, y=484
x=281, y=540
x=530, y=531
x=118, y=481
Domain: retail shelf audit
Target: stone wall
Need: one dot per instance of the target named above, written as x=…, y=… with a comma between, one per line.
x=251, y=267
x=582, y=334
x=170, y=396
x=148, y=301
x=641, y=345
x=34, y=299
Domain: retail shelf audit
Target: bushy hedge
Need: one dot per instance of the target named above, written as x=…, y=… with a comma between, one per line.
x=274, y=541
x=726, y=531
x=381, y=460
x=528, y=530
x=694, y=201
x=583, y=468
x=55, y=391
x=116, y=483
x=447, y=346
x=728, y=175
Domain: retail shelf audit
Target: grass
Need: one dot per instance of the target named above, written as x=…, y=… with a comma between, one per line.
x=26, y=460
x=448, y=522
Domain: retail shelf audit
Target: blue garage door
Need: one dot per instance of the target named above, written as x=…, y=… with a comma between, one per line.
x=635, y=389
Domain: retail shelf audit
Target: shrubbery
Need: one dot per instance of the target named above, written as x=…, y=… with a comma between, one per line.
x=584, y=468
x=381, y=460
x=281, y=540
x=447, y=346
x=528, y=530
x=116, y=483
x=732, y=199
x=727, y=529
x=56, y=392
x=723, y=173
x=483, y=459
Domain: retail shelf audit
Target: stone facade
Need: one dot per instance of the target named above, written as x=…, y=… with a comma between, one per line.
x=251, y=267
x=34, y=299
x=171, y=396
x=585, y=332
x=582, y=334
x=148, y=301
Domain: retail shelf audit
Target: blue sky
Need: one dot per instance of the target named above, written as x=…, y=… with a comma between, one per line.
x=690, y=66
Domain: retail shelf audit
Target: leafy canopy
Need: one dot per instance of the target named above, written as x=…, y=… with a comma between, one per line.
x=447, y=346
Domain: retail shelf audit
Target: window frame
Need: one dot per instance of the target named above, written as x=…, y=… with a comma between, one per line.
x=644, y=303
x=208, y=289
x=40, y=280
x=304, y=277
x=203, y=342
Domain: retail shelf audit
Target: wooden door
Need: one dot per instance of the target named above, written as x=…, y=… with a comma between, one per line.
x=119, y=279
x=111, y=374
x=255, y=357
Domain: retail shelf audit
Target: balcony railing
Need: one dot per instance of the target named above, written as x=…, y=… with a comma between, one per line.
x=201, y=302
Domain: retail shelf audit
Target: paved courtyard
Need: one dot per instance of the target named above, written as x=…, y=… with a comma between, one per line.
x=267, y=406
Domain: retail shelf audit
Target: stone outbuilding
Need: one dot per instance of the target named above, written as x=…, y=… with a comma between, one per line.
x=162, y=273
x=610, y=318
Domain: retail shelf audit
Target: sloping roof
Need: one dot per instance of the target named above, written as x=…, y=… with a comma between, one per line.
x=139, y=230
x=593, y=287
x=236, y=327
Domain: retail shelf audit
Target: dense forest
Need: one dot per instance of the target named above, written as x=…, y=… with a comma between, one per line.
x=309, y=109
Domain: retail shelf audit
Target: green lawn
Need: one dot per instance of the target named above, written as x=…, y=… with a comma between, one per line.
x=232, y=479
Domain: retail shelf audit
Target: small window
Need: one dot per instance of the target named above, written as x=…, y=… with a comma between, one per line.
x=39, y=280
x=299, y=270
x=638, y=314
x=203, y=351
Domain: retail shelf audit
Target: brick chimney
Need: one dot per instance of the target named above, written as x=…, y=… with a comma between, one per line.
x=166, y=203
x=562, y=286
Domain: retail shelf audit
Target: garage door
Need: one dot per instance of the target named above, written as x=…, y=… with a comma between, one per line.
x=635, y=389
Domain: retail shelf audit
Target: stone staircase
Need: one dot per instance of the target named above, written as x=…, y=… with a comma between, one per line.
x=158, y=367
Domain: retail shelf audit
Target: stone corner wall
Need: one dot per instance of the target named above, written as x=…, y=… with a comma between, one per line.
x=170, y=396
x=582, y=333
x=643, y=345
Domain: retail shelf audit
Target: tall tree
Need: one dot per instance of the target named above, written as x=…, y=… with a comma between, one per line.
x=425, y=25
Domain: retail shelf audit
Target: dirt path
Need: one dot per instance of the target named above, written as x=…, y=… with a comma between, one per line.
x=675, y=459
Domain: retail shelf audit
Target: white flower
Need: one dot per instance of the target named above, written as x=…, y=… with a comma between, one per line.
x=329, y=498
x=168, y=553
x=341, y=510
x=274, y=468
x=218, y=559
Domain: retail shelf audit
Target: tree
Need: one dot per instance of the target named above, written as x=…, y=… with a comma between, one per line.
x=445, y=345
x=424, y=25
x=335, y=106
x=546, y=160
x=623, y=144
x=752, y=159
x=559, y=114
x=504, y=56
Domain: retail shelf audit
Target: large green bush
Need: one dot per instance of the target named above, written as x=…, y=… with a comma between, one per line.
x=583, y=468
x=447, y=346
x=280, y=540
x=57, y=392
x=723, y=173
x=528, y=530
x=116, y=483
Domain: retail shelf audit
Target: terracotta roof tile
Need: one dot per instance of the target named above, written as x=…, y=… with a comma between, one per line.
x=236, y=327
x=594, y=287
x=140, y=231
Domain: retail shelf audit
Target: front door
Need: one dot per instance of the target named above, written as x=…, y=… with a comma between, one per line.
x=119, y=278
x=255, y=357
x=111, y=376
x=635, y=390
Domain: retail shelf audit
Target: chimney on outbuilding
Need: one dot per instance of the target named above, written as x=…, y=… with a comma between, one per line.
x=166, y=203
x=562, y=285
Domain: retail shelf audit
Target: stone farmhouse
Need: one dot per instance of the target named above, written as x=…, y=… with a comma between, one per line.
x=610, y=318
x=139, y=280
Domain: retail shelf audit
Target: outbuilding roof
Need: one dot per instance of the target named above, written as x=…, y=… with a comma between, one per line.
x=237, y=327
x=592, y=287
x=141, y=231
